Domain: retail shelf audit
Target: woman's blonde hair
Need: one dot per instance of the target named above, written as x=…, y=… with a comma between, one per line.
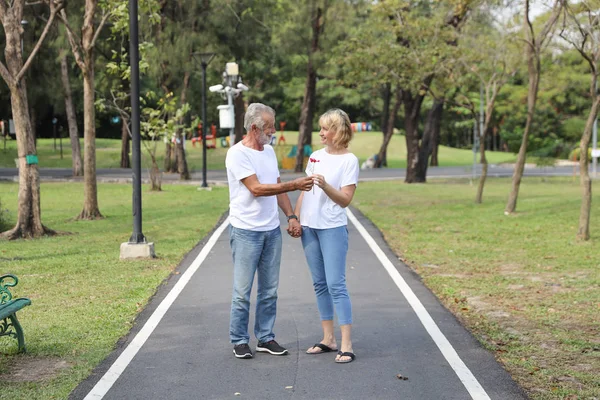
x=338, y=121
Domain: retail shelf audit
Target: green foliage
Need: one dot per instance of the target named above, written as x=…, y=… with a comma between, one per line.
x=574, y=154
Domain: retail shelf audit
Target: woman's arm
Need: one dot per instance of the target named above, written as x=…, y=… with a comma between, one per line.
x=299, y=205
x=342, y=197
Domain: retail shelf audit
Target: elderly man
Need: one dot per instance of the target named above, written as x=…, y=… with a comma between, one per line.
x=255, y=191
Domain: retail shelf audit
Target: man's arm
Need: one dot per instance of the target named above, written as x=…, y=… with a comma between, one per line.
x=264, y=189
x=283, y=201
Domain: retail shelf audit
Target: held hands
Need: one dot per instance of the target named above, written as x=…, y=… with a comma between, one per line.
x=305, y=183
x=294, y=228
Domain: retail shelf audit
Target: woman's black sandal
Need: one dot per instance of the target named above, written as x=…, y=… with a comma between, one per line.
x=345, y=354
x=324, y=349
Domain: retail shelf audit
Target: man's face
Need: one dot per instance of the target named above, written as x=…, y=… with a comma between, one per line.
x=264, y=135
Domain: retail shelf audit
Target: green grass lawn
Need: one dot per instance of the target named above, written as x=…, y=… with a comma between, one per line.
x=364, y=145
x=83, y=297
x=523, y=284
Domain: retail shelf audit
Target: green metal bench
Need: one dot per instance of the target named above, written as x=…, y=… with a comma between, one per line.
x=9, y=324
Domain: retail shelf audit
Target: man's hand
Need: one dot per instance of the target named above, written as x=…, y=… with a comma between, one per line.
x=294, y=228
x=304, y=184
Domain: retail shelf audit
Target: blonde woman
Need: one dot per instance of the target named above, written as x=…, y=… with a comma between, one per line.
x=324, y=232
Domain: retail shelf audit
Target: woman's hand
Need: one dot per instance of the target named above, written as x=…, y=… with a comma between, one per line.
x=319, y=180
x=294, y=228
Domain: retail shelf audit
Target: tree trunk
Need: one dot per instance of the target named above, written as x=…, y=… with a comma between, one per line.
x=586, y=183
x=532, y=50
x=308, y=103
x=125, y=160
x=168, y=164
x=390, y=129
x=436, y=138
x=29, y=220
x=385, y=116
x=483, y=160
x=76, y=161
x=482, y=178
x=182, y=167
x=432, y=126
x=534, y=80
x=412, y=110
x=239, y=109
x=90, y=192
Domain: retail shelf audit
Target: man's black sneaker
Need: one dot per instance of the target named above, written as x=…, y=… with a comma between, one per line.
x=242, y=351
x=272, y=347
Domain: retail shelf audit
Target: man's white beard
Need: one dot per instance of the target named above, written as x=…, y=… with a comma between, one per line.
x=263, y=138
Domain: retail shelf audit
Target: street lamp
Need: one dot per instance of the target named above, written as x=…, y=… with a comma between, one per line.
x=232, y=86
x=205, y=59
x=137, y=246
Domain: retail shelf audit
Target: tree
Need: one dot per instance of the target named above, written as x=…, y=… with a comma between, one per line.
x=533, y=49
x=29, y=220
x=486, y=54
x=580, y=29
x=310, y=89
x=83, y=51
x=408, y=44
x=77, y=165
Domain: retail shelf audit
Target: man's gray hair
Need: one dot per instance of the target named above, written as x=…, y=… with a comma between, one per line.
x=254, y=115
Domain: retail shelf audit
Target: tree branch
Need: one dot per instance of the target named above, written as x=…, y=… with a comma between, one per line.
x=549, y=25
x=99, y=29
x=73, y=40
x=8, y=78
x=54, y=9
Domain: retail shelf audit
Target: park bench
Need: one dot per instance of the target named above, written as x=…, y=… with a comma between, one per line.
x=9, y=324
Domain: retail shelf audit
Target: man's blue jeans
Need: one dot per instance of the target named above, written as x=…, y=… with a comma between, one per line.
x=254, y=253
x=325, y=251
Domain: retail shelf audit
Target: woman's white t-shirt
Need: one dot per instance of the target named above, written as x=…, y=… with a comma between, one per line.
x=318, y=210
x=245, y=210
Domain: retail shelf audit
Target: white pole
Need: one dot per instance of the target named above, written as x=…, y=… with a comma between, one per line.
x=474, y=149
x=595, y=143
x=481, y=116
x=230, y=103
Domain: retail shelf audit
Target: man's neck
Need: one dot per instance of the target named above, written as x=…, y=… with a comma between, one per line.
x=251, y=142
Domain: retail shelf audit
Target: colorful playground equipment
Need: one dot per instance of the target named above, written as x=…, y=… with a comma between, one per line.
x=211, y=140
x=289, y=161
x=281, y=137
x=361, y=126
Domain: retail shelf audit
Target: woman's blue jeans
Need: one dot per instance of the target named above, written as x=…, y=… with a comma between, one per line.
x=325, y=251
x=254, y=253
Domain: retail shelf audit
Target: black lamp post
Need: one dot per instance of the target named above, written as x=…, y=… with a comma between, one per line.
x=134, y=60
x=205, y=59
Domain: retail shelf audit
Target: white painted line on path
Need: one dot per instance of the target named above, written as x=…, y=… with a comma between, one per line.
x=115, y=371
x=462, y=371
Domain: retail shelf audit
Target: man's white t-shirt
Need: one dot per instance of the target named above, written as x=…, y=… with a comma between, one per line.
x=245, y=210
x=318, y=210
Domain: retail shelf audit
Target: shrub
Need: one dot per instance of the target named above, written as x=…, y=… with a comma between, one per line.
x=574, y=154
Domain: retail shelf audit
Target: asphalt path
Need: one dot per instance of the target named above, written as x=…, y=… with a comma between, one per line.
x=179, y=347
x=219, y=177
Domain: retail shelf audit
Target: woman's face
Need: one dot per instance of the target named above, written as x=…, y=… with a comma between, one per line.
x=326, y=135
